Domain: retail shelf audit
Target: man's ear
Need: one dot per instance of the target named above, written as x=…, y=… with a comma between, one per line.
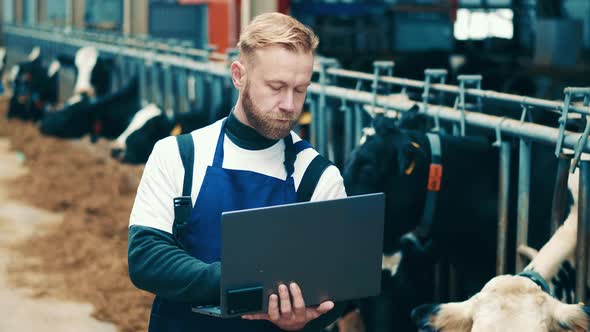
x=238, y=74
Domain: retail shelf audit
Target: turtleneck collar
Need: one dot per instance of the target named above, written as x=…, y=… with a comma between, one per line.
x=245, y=137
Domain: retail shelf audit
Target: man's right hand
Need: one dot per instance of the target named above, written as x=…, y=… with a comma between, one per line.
x=290, y=315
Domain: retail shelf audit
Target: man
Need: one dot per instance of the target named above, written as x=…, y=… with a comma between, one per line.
x=250, y=159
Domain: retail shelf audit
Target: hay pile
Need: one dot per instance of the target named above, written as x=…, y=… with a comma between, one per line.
x=85, y=257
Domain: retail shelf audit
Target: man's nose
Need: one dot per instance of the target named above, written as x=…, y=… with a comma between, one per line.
x=288, y=102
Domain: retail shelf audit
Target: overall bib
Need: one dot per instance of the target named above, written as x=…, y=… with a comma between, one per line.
x=223, y=190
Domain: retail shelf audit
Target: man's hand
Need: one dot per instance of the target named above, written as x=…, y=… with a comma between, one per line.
x=293, y=315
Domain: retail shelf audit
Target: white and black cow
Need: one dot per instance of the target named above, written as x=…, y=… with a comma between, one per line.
x=532, y=301
x=148, y=126
x=398, y=161
x=93, y=71
x=106, y=116
x=2, y=66
x=2, y=60
x=34, y=87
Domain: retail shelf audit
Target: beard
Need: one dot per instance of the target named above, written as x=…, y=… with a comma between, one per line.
x=266, y=123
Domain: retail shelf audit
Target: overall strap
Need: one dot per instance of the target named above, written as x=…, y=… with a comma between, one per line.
x=311, y=177
x=183, y=204
x=187, y=154
x=301, y=145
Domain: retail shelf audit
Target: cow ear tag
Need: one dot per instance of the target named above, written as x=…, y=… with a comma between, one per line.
x=177, y=130
x=410, y=168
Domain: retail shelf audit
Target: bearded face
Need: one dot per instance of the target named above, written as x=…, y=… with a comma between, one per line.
x=272, y=125
x=274, y=91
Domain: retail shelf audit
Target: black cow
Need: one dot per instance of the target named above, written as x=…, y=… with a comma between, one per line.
x=93, y=71
x=107, y=116
x=148, y=126
x=396, y=160
x=34, y=86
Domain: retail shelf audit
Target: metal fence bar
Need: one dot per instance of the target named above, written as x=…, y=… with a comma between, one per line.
x=503, y=198
x=531, y=131
x=484, y=94
x=560, y=191
x=582, y=250
x=168, y=98
x=212, y=68
x=143, y=84
x=524, y=188
x=134, y=42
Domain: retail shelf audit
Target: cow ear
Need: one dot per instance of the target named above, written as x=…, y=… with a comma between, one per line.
x=413, y=120
x=66, y=60
x=571, y=317
x=384, y=125
x=456, y=317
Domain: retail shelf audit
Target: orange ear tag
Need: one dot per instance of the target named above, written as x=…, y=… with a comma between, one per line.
x=177, y=130
x=434, y=177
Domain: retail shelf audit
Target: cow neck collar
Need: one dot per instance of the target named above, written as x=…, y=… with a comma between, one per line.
x=246, y=137
x=537, y=279
x=422, y=231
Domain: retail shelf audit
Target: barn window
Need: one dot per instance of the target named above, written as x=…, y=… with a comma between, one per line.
x=482, y=24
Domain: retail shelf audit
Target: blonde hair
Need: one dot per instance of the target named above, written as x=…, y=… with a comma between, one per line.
x=276, y=29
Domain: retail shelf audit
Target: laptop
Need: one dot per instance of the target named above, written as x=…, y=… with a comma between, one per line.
x=331, y=249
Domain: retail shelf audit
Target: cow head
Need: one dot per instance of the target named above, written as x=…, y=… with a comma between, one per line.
x=2, y=59
x=506, y=303
x=34, y=87
x=93, y=71
x=389, y=160
x=396, y=152
x=147, y=126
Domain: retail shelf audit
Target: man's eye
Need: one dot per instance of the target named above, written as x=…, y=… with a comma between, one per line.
x=275, y=88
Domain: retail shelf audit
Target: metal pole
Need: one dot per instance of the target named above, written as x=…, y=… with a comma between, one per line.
x=182, y=88
x=155, y=81
x=143, y=89
x=560, y=191
x=503, y=197
x=583, y=232
x=313, y=126
x=168, y=92
x=348, y=136
x=524, y=187
x=321, y=117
